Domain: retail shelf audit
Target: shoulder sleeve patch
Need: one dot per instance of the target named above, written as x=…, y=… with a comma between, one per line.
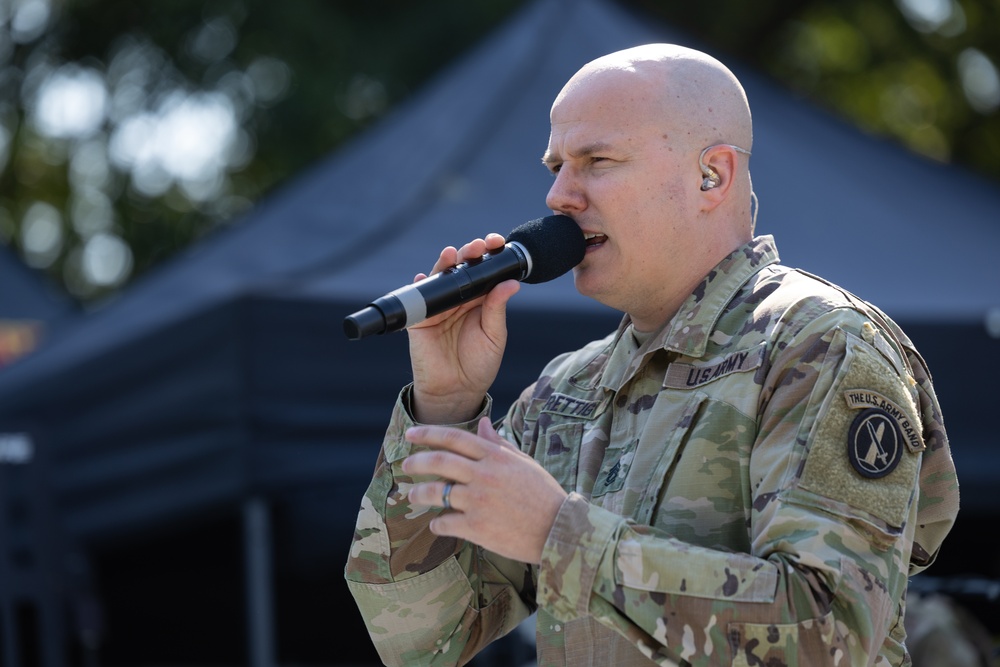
x=874, y=443
x=865, y=447
x=872, y=400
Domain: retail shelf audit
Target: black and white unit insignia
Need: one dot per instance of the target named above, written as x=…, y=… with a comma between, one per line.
x=874, y=443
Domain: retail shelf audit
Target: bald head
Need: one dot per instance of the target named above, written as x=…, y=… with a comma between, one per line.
x=629, y=132
x=697, y=97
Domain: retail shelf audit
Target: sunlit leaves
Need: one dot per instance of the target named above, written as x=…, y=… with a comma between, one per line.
x=903, y=71
x=129, y=130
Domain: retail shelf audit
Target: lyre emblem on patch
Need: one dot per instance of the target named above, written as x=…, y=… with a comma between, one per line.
x=874, y=443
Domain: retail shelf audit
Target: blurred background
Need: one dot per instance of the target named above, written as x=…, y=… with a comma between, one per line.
x=194, y=194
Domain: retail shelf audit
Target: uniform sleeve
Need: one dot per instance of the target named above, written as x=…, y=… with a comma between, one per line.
x=834, y=469
x=425, y=599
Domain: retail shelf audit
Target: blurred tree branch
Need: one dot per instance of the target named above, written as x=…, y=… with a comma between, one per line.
x=130, y=130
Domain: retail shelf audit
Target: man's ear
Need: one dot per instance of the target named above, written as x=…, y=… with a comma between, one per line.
x=718, y=167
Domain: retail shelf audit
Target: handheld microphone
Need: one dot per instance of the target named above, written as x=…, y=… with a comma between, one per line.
x=535, y=252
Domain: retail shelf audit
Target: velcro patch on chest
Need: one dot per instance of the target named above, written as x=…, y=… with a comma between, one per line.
x=562, y=404
x=689, y=376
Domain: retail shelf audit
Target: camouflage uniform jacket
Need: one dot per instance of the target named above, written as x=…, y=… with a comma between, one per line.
x=752, y=485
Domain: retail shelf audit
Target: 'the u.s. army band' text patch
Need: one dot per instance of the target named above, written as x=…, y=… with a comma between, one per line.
x=866, y=398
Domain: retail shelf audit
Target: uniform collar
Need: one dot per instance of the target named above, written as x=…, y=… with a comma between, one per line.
x=689, y=331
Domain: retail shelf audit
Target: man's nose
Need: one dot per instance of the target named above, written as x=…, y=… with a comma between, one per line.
x=565, y=195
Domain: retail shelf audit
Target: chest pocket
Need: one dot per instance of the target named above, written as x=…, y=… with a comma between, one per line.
x=689, y=473
x=656, y=453
x=567, y=429
x=559, y=451
x=634, y=476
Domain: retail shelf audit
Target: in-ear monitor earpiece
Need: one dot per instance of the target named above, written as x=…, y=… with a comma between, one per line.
x=712, y=179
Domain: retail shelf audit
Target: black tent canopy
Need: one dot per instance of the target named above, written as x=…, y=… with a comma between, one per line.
x=227, y=368
x=31, y=309
x=26, y=293
x=30, y=305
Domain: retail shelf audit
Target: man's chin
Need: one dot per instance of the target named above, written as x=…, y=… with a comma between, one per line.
x=587, y=286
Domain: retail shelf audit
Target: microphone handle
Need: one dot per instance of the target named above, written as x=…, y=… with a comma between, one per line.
x=442, y=291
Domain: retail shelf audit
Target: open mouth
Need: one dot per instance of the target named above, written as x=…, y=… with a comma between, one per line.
x=595, y=239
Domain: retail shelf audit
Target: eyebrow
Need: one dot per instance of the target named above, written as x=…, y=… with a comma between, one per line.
x=587, y=150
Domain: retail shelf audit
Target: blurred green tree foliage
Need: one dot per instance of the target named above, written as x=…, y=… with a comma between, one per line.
x=921, y=72
x=128, y=130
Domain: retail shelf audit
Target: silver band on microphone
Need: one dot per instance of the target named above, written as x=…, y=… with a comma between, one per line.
x=413, y=302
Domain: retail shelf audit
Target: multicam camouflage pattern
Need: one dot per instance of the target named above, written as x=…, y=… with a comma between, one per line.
x=715, y=515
